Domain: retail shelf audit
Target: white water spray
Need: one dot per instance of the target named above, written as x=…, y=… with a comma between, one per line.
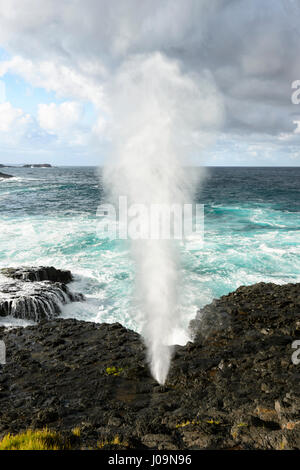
x=160, y=117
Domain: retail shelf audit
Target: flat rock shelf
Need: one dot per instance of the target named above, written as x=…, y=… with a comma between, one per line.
x=234, y=387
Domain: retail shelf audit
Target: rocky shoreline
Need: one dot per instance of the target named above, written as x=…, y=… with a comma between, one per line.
x=34, y=165
x=5, y=176
x=35, y=293
x=234, y=387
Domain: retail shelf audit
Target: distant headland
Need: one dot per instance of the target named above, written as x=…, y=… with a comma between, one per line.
x=33, y=165
x=28, y=165
x=38, y=165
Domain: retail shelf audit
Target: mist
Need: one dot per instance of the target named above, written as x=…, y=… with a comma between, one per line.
x=161, y=120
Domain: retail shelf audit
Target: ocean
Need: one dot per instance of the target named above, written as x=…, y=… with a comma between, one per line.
x=252, y=222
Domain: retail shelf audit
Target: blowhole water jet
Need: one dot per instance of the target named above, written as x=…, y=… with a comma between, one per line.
x=159, y=117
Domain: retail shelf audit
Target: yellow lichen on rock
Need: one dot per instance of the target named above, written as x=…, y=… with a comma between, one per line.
x=113, y=370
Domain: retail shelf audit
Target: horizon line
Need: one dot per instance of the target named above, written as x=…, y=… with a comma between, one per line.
x=21, y=165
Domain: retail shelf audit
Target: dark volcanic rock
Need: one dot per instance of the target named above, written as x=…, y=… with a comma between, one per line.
x=38, y=273
x=35, y=301
x=259, y=304
x=35, y=293
x=5, y=176
x=234, y=387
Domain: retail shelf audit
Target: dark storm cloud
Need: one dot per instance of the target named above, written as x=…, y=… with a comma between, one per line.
x=250, y=47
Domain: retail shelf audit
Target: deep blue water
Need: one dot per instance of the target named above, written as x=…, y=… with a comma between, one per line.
x=252, y=223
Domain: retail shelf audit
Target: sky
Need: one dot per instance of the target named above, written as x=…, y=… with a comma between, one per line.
x=61, y=65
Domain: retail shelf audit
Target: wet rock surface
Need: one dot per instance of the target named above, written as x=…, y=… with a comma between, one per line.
x=234, y=387
x=5, y=176
x=38, y=273
x=35, y=293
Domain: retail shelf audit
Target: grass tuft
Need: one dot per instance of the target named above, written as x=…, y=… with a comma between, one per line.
x=212, y=421
x=114, y=442
x=34, y=440
x=76, y=431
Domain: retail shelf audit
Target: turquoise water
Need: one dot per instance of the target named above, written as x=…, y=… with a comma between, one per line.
x=252, y=223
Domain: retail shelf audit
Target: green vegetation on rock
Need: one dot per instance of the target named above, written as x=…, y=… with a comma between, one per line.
x=113, y=370
x=34, y=440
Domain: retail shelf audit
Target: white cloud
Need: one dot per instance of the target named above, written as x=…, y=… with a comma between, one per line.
x=58, y=118
x=77, y=48
x=64, y=121
x=13, y=120
x=2, y=92
x=66, y=81
x=55, y=124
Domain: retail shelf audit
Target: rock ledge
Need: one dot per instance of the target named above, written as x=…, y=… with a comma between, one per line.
x=234, y=387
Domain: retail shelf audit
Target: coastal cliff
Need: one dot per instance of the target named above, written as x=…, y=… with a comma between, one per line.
x=234, y=387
